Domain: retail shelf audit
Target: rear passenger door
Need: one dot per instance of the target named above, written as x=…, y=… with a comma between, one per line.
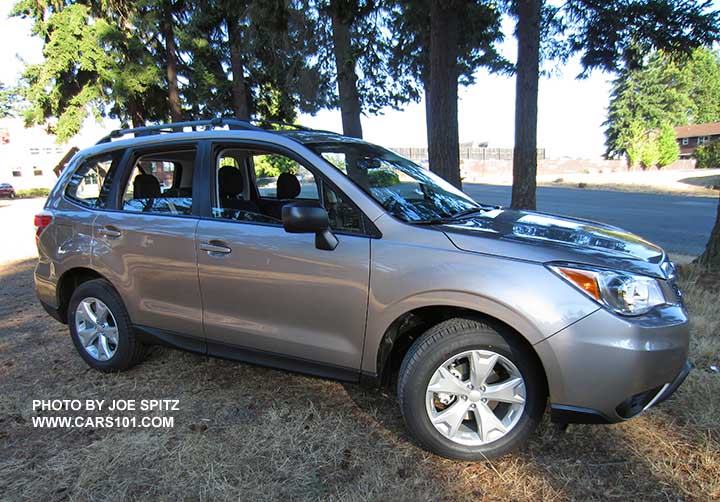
x=270, y=296
x=145, y=243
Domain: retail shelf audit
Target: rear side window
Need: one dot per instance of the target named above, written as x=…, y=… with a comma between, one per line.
x=90, y=185
x=161, y=183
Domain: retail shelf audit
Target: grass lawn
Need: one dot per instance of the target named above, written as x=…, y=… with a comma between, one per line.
x=245, y=432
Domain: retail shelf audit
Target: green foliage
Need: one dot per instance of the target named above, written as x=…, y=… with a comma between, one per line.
x=272, y=165
x=30, y=193
x=668, y=148
x=94, y=65
x=9, y=101
x=478, y=33
x=275, y=49
x=632, y=140
x=371, y=43
x=649, y=151
x=708, y=156
x=382, y=178
x=621, y=33
x=664, y=93
x=111, y=58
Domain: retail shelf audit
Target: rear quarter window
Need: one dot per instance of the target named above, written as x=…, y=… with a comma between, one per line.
x=90, y=183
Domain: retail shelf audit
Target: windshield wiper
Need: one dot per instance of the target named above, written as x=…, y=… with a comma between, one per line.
x=450, y=219
x=468, y=212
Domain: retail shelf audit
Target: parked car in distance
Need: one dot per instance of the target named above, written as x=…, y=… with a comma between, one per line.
x=7, y=190
x=353, y=263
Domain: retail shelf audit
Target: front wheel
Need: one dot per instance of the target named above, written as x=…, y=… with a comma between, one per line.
x=469, y=391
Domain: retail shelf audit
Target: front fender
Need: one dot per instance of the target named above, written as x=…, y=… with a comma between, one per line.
x=524, y=295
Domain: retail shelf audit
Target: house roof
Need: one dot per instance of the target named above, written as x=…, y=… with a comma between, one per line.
x=692, y=131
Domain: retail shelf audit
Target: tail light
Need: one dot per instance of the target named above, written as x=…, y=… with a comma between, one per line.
x=42, y=221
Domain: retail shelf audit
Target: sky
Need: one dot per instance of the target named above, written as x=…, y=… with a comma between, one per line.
x=570, y=116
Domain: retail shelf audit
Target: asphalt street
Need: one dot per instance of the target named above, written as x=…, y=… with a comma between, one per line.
x=680, y=224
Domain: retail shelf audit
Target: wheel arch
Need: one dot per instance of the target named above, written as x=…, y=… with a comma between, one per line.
x=68, y=283
x=406, y=328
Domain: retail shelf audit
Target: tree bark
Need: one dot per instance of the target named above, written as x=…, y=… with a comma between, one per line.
x=171, y=56
x=526, y=104
x=442, y=104
x=350, y=108
x=240, y=91
x=711, y=256
x=135, y=112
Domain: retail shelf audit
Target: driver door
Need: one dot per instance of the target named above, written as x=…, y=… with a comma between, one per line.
x=270, y=296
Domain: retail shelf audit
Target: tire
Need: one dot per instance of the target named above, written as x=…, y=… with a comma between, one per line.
x=121, y=350
x=492, y=348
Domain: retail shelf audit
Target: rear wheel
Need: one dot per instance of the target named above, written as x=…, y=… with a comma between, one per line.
x=469, y=391
x=101, y=329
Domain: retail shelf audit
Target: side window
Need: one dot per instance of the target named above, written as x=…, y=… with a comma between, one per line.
x=273, y=171
x=343, y=216
x=161, y=183
x=90, y=184
x=277, y=180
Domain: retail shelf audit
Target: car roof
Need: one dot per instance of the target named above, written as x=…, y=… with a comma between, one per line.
x=237, y=129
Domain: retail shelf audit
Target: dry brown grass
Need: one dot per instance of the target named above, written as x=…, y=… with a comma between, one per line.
x=246, y=432
x=687, y=190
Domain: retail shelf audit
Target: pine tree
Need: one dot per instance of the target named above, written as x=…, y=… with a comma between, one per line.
x=668, y=148
x=609, y=36
x=439, y=46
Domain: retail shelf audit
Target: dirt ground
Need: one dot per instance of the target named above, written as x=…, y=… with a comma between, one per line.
x=244, y=432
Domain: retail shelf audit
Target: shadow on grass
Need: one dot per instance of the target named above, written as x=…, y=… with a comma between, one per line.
x=250, y=432
x=710, y=181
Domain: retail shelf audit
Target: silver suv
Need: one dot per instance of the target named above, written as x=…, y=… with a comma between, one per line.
x=313, y=252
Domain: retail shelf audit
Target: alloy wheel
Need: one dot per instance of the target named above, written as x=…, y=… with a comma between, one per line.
x=475, y=397
x=96, y=329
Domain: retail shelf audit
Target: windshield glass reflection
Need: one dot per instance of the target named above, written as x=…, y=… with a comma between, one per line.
x=404, y=189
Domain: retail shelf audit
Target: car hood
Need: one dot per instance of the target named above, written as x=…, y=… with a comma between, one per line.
x=544, y=238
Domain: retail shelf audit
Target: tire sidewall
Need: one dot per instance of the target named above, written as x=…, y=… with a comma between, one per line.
x=418, y=378
x=101, y=290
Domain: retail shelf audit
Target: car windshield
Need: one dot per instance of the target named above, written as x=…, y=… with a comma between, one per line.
x=406, y=190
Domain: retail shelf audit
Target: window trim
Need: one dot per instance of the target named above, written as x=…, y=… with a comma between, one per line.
x=370, y=230
x=130, y=158
x=117, y=156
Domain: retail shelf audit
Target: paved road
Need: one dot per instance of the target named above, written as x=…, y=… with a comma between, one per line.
x=680, y=224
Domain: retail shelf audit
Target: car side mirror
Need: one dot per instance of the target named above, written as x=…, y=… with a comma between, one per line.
x=309, y=217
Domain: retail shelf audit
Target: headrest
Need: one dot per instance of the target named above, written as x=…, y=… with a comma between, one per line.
x=288, y=186
x=146, y=186
x=230, y=181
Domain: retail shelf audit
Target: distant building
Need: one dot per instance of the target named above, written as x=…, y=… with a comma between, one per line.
x=28, y=156
x=692, y=136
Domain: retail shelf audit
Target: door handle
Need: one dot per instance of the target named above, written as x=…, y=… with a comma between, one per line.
x=110, y=232
x=215, y=247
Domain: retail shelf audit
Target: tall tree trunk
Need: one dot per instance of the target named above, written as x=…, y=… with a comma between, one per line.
x=350, y=108
x=240, y=91
x=443, y=136
x=711, y=256
x=526, y=104
x=171, y=56
x=135, y=112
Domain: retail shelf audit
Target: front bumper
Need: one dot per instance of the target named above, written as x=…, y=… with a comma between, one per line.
x=606, y=368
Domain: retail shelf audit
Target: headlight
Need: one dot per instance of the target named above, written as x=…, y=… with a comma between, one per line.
x=621, y=292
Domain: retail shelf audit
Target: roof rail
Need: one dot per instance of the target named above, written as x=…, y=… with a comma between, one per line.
x=180, y=126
